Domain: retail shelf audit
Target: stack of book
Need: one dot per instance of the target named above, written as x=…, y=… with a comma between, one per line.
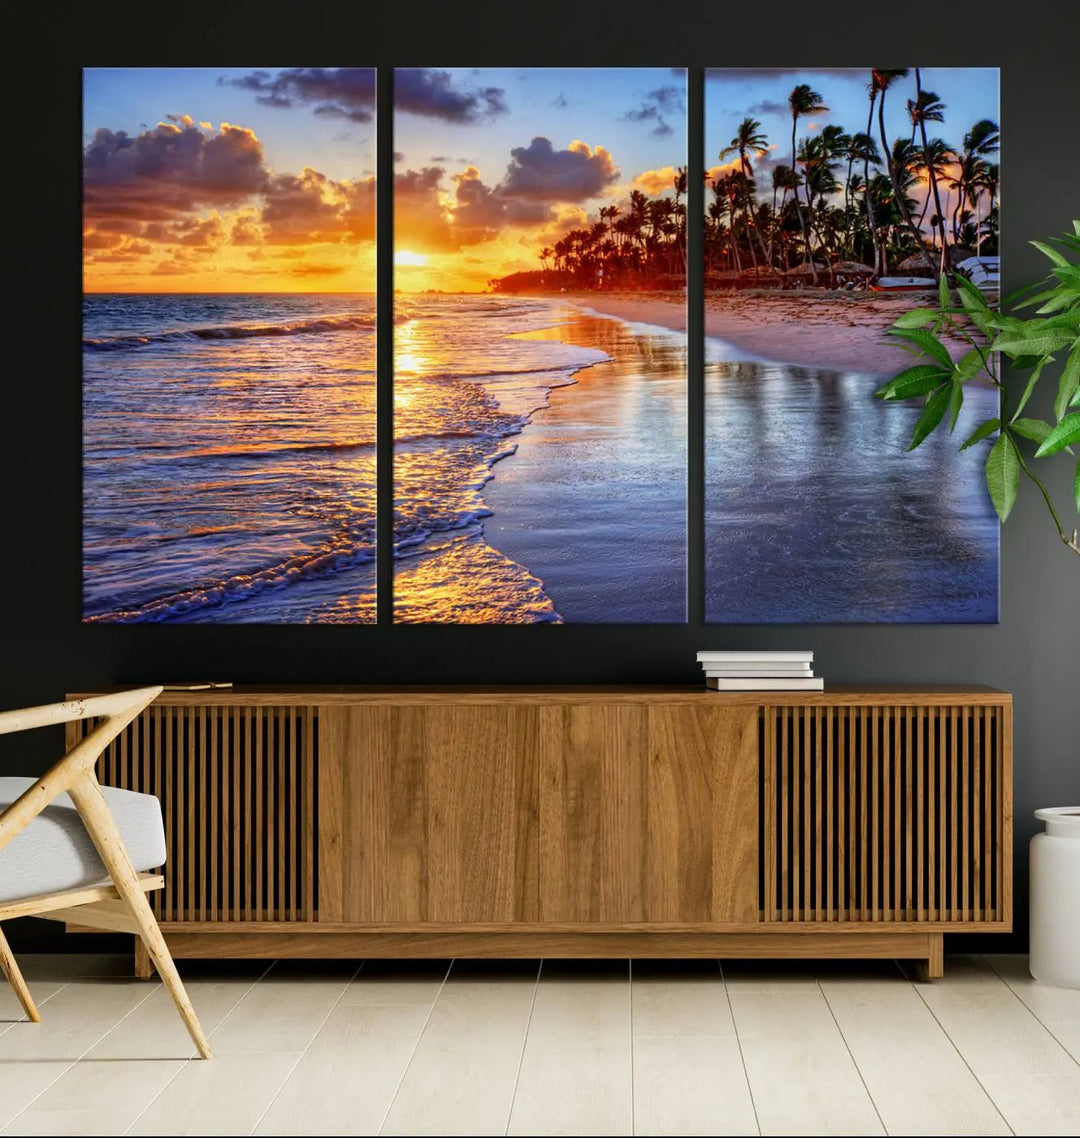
x=760, y=671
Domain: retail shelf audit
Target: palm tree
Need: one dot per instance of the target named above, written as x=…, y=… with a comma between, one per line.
x=748, y=137
x=927, y=107
x=803, y=100
x=982, y=140
x=990, y=182
x=879, y=251
x=883, y=79
x=783, y=178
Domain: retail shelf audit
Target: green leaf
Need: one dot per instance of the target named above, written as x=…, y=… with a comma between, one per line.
x=1065, y=322
x=1052, y=295
x=916, y=318
x=1050, y=251
x=1034, y=429
x=1005, y=323
x=981, y=431
x=1003, y=475
x=1031, y=343
x=914, y=381
x=969, y=365
x=936, y=404
x=956, y=401
x=1064, y=434
x=1068, y=274
x=971, y=296
x=1068, y=385
x=927, y=343
x=1062, y=300
x=1032, y=380
x=944, y=299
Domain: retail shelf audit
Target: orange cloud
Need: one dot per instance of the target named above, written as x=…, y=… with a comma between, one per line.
x=183, y=201
x=720, y=171
x=655, y=182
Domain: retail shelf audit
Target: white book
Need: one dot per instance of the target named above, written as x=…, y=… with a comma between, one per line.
x=800, y=657
x=747, y=657
x=738, y=671
x=755, y=666
x=767, y=683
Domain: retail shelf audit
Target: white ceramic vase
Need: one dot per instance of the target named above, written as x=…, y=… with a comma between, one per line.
x=1055, y=898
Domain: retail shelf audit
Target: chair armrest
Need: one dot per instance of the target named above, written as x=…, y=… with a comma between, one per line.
x=98, y=706
x=78, y=764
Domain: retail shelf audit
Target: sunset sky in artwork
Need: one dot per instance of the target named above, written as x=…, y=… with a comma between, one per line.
x=492, y=164
x=229, y=180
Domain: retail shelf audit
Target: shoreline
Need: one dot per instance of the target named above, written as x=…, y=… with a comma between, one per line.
x=546, y=515
x=808, y=328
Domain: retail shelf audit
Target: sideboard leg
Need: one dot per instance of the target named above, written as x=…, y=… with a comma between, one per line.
x=143, y=968
x=933, y=967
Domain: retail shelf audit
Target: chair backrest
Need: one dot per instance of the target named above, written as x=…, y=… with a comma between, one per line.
x=116, y=711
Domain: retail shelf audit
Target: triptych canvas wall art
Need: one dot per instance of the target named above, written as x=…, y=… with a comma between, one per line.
x=541, y=258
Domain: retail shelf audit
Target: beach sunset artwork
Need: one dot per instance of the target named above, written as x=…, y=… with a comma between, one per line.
x=229, y=345
x=539, y=412
x=835, y=198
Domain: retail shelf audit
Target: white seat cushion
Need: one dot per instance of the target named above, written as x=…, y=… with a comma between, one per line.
x=55, y=852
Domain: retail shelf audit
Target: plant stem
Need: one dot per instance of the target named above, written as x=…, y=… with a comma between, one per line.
x=1072, y=542
x=953, y=326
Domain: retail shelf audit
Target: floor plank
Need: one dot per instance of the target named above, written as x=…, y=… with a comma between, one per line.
x=461, y=1079
x=801, y=1076
x=689, y=1076
x=347, y=1078
x=1032, y=1079
x=677, y=997
x=96, y=1097
x=916, y=1078
x=576, y=1072
x=284, y=1010
x=78, y=1016
x=11, y=1011
x=226, y=1095
x=154, y=1030
x=691, y=1085
x=1057, y=1009
x=386, y=982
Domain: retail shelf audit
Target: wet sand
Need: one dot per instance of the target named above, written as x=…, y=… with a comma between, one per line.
x=594, y=500
x=842, y=331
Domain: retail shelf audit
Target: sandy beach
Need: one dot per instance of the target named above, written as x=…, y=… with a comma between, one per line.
x=844, y=331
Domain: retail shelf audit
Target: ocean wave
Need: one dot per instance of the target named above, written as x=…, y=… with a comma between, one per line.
x=564, y=374
x=335, y=558
x=317, y=326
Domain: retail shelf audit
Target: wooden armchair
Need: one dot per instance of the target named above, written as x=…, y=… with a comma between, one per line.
x=54, y=872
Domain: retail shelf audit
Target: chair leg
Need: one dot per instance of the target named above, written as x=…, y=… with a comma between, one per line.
x=15, y=979
x=91, y=805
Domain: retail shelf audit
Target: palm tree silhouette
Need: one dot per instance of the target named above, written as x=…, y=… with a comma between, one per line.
x=927, y=107
x=883, y=78
x=749, y=137
x=803, y=100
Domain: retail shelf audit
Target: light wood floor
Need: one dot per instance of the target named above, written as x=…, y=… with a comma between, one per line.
x=563, y=1048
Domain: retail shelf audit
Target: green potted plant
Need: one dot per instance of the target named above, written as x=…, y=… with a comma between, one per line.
x=1031, y=345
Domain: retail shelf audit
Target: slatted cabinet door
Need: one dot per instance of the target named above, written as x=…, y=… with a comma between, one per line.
x=428, y=814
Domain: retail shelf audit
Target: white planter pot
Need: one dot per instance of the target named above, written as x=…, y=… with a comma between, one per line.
x=1055, y=898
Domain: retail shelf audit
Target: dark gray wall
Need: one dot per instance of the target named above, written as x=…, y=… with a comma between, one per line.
x=1034, y=652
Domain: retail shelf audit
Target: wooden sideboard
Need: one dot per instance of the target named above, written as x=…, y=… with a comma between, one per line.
x=576, y=821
